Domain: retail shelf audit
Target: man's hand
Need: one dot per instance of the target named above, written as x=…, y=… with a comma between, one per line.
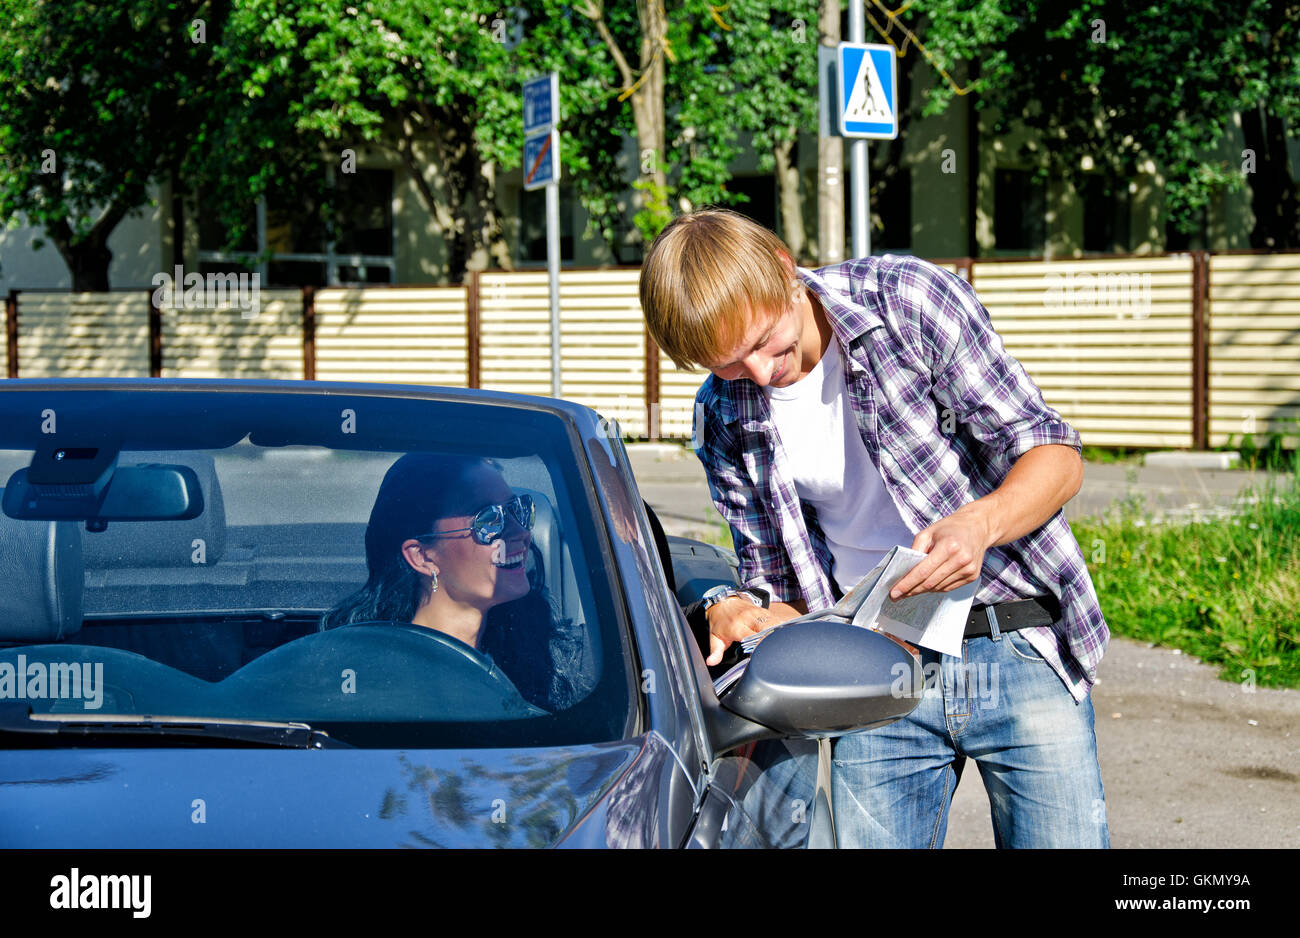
x=954, y=547
x=736, y=618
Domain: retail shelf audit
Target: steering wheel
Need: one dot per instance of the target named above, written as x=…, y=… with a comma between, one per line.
x=399, y=671
x=455, y=654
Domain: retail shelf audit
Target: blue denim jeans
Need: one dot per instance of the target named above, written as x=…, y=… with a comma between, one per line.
x=1004, y=707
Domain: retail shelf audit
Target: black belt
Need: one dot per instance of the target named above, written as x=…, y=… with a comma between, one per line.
x=1010, y=616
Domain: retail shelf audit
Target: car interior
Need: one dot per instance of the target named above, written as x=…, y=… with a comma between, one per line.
x=199, y=615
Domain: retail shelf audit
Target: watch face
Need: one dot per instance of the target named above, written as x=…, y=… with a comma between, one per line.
x=716, y=593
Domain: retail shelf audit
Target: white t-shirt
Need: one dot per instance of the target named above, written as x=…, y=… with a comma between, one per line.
x=833, y=471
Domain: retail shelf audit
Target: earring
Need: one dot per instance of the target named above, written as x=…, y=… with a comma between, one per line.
x=433, y=587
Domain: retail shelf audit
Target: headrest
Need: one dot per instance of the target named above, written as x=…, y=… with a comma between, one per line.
x=164, y=543
x=545, y=528
x=41, y=569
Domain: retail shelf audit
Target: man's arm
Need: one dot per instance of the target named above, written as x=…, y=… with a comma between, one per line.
x=997, y=402
x=762, y=558
x=1038, y=485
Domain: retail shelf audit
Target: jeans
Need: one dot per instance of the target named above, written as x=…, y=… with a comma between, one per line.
x=781, y=789
x=1001, y=705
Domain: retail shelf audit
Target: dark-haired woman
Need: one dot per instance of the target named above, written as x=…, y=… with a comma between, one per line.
x=446, y=548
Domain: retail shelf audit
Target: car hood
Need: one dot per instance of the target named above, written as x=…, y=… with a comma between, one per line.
x=585, y=796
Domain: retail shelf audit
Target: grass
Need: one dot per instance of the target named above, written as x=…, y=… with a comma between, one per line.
x=1270, y=452
x=718, y=534
x=1113, y=454
x=1226, y=590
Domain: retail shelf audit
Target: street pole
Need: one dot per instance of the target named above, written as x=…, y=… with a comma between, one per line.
x=830, y=151
x=553, y=270
x=542, y=155
x=858, y=165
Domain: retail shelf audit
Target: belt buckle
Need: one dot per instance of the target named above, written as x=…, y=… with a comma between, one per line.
x=991, y=614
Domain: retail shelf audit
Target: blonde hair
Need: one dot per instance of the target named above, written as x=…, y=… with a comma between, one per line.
x=706, y=278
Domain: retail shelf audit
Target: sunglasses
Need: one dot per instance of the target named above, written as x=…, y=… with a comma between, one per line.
x=490, y=521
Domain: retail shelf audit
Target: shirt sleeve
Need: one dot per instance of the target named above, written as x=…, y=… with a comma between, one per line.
x=988, y=390
x=763, y=560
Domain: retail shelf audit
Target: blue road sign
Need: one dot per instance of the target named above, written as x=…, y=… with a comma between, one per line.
x=541, y=104
x=541, y=159
x=868, y=90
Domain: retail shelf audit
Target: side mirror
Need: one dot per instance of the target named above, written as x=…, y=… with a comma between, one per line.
x=826, y=677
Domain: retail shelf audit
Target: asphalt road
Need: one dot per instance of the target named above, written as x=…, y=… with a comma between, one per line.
x=1187, y=759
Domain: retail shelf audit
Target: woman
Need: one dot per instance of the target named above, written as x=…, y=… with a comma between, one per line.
x=446, y=549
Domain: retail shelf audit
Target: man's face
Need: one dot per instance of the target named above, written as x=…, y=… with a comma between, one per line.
x=769, y=353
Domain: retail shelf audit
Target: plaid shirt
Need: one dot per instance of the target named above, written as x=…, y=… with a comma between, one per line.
x=944, y=412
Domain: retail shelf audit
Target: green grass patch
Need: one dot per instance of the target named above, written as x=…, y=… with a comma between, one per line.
x=1113, y=454
x=1226, y=590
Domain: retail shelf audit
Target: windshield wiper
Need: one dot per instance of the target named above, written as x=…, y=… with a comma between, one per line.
x=19, y=718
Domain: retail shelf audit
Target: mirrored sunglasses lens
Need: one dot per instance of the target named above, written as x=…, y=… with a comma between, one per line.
x=521, y=507
x=488, y=524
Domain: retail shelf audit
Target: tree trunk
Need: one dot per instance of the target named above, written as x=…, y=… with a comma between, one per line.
x=88, y=258
x=88, y=264
x=488, y=246
x=453, y=148
x=648, y=98
x=830, y=160
x=787, y=183
x=648, y=106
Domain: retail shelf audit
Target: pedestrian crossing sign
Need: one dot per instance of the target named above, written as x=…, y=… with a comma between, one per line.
x=867, y=76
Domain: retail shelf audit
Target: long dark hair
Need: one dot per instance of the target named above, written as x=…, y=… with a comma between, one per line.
x=522, y=635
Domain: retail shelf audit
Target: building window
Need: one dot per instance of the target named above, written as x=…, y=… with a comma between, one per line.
x=1106, y=215
x=291, y=247
x=532, y=225
x=1018, y=211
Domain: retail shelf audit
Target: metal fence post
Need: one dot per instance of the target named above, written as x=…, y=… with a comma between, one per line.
x=309, y=333
x=651, y=388
x=155, y=337
x=11, y=331
x=473, y=330
x=1200, y=351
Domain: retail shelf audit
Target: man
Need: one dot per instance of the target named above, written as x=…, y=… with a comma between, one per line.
x=870, y=404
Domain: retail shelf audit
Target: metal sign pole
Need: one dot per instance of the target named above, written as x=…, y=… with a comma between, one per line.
x=858, y=165
x=553, y=270
x=542, y=170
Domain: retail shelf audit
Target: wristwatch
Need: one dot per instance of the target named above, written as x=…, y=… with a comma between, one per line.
x=757, y=595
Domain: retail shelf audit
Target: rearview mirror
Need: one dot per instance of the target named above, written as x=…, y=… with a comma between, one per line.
x=130, y=493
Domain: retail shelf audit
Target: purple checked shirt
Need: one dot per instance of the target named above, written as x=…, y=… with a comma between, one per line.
x=944, y=412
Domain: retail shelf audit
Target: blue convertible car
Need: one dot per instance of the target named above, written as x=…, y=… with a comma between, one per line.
x=298, y=614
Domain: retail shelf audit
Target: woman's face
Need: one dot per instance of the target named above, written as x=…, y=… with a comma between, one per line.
x=479, y=575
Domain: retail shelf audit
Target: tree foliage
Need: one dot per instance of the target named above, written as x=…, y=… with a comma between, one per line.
x=1108, y=84
x=101, y=102
x=125, y=99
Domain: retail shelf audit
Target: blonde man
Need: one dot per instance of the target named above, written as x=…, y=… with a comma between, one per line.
x=870, y=404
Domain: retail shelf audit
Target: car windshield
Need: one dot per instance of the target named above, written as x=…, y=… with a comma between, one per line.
x=390, y=571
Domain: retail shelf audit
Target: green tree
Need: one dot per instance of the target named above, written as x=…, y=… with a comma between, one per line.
x=435, y=84
x=101, y=103
x=771, y=47
x=668, y=60
x=1111, y=84
x=558, y=37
